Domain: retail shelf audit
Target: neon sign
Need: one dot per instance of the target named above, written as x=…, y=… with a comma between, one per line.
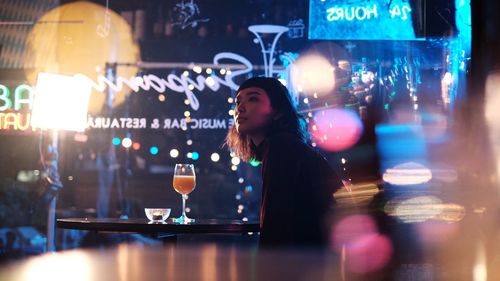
x=352, y=13
x=15, y=121
x=361, y=20
x=366, y=12
x=180, y=84
x=23, y=94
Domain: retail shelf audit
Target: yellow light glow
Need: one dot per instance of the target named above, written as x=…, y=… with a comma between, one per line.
x=78, y=48
x=313, y=73
x=74, y=265
x=424, y=208
x=210, y=81
x=235, y=161
x=197, y=69
x=355, y=194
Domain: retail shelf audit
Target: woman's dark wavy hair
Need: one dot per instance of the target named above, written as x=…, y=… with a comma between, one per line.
x=289, y=121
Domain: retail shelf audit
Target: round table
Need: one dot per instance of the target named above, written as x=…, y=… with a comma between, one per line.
x=169, y=226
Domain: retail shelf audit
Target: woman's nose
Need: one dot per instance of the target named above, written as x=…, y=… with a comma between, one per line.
x=240, y=108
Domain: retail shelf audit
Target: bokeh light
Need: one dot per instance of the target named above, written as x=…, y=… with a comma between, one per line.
x=407, y=174
x=313, y=73
x=235, y=161
x=357, y=194
x=210, y=81
x=369, y=253
x=248, y=189
x=116, y=141
x=254, y=163
x=195, y=155
x=127, y=142
x=136, y=146
x=336, y=129
x=154, y=150
x=80, y=137
x=363, y=249
x=350, y=229
x=197, y=69
x=415, y=209
x=215, y=157
x=46, y=44
x=174, y=153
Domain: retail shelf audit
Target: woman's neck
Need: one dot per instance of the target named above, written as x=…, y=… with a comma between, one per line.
x=257, y=139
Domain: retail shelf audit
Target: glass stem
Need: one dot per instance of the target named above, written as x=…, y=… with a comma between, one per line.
x=184, y=198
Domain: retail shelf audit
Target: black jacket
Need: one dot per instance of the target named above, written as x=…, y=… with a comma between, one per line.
x=297, y=192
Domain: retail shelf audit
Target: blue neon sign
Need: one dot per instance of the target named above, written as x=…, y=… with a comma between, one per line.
x=360, y=20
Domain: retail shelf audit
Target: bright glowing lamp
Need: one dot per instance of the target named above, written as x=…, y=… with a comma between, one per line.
x=60, y=103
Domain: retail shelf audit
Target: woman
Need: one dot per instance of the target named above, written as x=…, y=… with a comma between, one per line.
x=298, y=183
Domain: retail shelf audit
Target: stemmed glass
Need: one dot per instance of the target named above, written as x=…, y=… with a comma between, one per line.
x=184, y=183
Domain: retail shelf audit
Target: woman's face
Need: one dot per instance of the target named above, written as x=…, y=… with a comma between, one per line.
x=253, y=111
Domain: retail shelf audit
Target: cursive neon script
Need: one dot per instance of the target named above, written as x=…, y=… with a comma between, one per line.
x=180, y=84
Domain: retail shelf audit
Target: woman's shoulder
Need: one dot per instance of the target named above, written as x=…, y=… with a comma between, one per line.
x=290, y=144
x=284, y=140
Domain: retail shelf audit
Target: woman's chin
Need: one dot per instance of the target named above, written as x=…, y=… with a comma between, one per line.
x=241, y=129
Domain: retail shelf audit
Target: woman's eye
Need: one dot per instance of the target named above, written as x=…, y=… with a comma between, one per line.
x=253, y=99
